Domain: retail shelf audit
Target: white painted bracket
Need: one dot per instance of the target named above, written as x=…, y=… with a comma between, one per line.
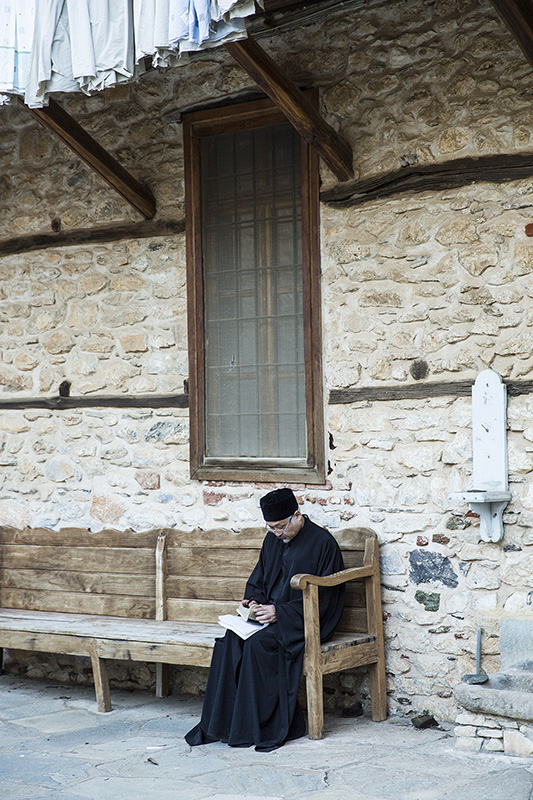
x=489, y=455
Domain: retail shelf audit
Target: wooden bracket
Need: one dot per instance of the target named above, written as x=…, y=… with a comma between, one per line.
x=518, y=16
x=295, y=105
x=59, y=121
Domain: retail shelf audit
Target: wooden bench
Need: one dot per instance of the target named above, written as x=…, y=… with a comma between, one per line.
x=156, y=597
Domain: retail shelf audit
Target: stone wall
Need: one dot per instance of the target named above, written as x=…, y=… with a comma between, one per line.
x=439, y=277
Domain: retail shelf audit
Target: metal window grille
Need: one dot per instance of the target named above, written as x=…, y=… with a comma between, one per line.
x=252, y=262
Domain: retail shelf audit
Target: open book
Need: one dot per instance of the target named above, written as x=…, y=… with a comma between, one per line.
x=240, y=626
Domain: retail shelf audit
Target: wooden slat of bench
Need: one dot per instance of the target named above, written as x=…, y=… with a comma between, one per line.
x=112, y=605
x=122, y=629
x=349, y=657
x=341, y=640
x=77, y=537
x=136, y=561
x=211, y=562
x=68, y=581
x=204, y=611
x=251, y=538
x=183, y=653
x=197, y=654
x=46, y=642
x=191, y=587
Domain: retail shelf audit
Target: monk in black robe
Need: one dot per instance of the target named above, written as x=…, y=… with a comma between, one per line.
x=252, y=690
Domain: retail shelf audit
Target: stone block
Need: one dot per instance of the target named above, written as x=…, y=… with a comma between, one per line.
x=490, y=733
x=516, y=744
x=105, y=509
x=465, y=743
x=148, y=480
x=493, y=745
x=465, y=730
x=430, y=567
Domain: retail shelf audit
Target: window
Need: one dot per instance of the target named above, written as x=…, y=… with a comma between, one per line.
x=253, y=297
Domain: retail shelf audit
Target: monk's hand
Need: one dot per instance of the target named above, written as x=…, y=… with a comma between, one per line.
x=246, y=603
x=264, y=613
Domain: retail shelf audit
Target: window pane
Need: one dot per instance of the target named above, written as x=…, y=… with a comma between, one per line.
x=255, y=388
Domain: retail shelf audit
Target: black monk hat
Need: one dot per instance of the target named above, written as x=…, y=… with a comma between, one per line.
x=279, y=504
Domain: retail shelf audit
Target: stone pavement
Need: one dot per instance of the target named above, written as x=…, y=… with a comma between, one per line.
x=56, y=745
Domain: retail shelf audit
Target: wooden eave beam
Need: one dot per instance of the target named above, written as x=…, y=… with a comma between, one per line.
x=295, y=105
x=57, y=120
x=518, y=16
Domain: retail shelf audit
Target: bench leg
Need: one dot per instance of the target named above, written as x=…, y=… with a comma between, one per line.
x=162, y=680
x=101, y=683
x=315, y=704
x=378, y=690
x=2, y=656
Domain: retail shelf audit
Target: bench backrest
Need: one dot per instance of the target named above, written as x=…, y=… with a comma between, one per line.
x=199, y=575
x=206, y=573
x=110, y=572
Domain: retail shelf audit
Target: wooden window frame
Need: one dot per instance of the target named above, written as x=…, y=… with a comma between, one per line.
x=229, y=119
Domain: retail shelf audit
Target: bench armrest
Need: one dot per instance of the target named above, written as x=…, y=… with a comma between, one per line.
x=301, y=581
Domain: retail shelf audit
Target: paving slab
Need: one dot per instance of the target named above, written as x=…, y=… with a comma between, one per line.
x=57, y=746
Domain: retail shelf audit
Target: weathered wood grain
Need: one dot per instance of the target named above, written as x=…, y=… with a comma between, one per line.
x=199, y=610
x=349, y=658
x=101, y=401
x=113, y=605
x=113, y=560
x=85, y=582
x=77, y=537
x=101, y=234
x=431, y=177
x=190, y=587
x=211, y=562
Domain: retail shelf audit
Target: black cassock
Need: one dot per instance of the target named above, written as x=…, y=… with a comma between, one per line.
x=252, y=690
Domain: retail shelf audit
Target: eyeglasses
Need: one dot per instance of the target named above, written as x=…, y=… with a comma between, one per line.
x=279, y=529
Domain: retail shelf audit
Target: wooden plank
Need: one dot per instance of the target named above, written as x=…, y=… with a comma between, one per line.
x=161, y=579
x=187, y=654
x=77, y=537
x=135, y=561
x=200, y=588
x=46, y=642
x=101, y=234
x=313, y=657
x=56, y=119
x=88, y=582
x=211, y=562
x=199, y=610
x=99, y=401
x=431, y=177
x=349, y=658
x=340, y=641
x=353, y=619
x=294, y=104
x=409, y=391
x=174, y=653
x=98, y=627
x=162, y=679
x=518, y=16
x=354, y=538
x=111, y=605
x=378, y=678
x=101, y=683
x=246, y=539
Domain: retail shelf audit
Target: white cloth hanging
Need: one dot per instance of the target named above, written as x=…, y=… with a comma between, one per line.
x=16, y=33
x=87, y=45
